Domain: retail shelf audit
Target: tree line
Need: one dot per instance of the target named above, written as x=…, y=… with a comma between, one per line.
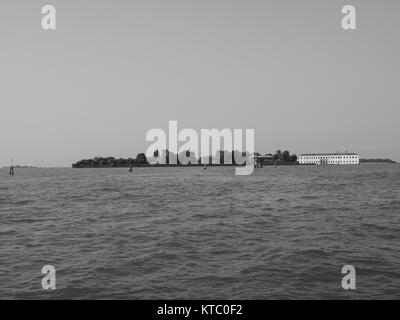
x=166, y=156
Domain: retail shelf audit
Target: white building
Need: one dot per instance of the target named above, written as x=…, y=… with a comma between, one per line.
x=329, y=158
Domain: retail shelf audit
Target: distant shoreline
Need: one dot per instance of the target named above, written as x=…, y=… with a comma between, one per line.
x=377, y=161
x=80, y=165
x=181, y=166
x=169, y=159
x=161, y=165
x=265, y=164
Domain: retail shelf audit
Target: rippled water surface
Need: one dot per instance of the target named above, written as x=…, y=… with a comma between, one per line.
x=188, y=233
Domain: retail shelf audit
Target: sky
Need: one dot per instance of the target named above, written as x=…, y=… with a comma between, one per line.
x=113, y=70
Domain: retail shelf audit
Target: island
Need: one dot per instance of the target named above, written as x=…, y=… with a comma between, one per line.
x=278, y=158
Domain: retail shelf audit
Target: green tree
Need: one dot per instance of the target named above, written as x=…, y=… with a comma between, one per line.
x=285, y=156
x=141, y=159
x=278, y=155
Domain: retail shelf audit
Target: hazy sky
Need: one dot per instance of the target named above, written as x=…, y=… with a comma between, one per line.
x=115, y=69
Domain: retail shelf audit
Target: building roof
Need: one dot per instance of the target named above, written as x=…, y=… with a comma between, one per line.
x=330, y=154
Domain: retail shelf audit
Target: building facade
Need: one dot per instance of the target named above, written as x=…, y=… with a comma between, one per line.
x=329, y=158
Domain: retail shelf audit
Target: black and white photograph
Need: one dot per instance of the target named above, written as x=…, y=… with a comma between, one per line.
x=199, y=150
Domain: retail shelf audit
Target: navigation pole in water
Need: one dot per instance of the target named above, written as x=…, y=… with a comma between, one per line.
x=12, y=168
x=130, y=165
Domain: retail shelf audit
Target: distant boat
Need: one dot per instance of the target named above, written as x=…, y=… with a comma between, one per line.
x=205, y=167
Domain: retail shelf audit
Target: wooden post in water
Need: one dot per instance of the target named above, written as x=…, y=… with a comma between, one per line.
x=130, y=164
x=12, y=168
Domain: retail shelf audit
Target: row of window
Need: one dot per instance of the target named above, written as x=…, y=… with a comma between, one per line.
x=329, y=161
x=327, y=157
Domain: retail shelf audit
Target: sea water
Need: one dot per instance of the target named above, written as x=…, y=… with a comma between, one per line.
x=189, y=233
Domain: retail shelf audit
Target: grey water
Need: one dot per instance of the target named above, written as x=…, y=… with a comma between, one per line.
x=189, y=233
